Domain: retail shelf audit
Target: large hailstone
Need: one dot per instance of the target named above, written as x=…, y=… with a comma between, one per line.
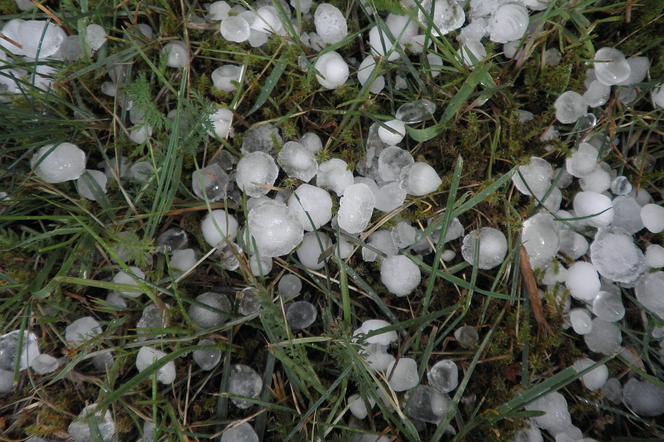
x=582, y=281
x=226, y=77
x=509, y=23
x=534, y=178
x=611, y=67
x=58, y=163
x=276, y=231
x=331, y=70
x=37, y=38
x=570, y=106
x=492, y=247
x=446, y=15
x=330, y=23
x=400, y=275
x=256, y=173
x=596, y=208
x=334, y=175
x=541, y=239
x=217, y=226
x=644, y=398
x=311, y=205
x=176, y=53
x=297, y=161
x=616, y=257
x=355, y=208
x=419, y=179
x=382, y=45
x=648, y=292
x=147, y=356
x=364, y=72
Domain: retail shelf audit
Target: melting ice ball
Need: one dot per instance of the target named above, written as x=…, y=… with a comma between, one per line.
x=226, y=77
x=509, y=23
x=256, y=172
x=311, y=205
x=147, y=356
x=611, y=67
x=400, y=275
x=176, y=53
x=276, y=231
x=330, y=23
x=57, y=163
x=331, y=70
x=217, y=226
x=492, y=247
x=355, y=208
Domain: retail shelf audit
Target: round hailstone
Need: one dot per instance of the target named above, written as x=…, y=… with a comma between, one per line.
x=556, y=417
x=655, y=256
x=217, y=226
x=404, y=235
x=256, y=173
x=82, y=330
x=608, y=306
x=599, y=180
x=334, y=175
x=648, y=292
x=95, y=37
x=392, y=132
x=426, y=404
x=124, y=278
x=389, y=197
x=244, y=381
x=176, y=53
x=313, y=246
x=509, y=23
x=260, y=138
x=541, y=238
x=217, y=11
x=597, y=94
x=612, y=390
x=402, y=374
x=444, y=376
x=9, y=346
x=382, y=241
x=611, y=67
x=382, y=45
x=297, y=161
x=183, y=260
x=416, y=111
x=605, y=337
x=276, y=231
x=581, y=321
x=57, y=163
x=595, y=208
x=616, y=257
x=239, y=432
x=471, y=52
x=311, y=205
x=147, y=356
x=289, y=287
x=44, y=364
x=226, y=77
x=301, y=315
x=210, y=183
x=38, y=38
x=400, y=275
x=209, y=310
x=638, y=70
x=312, y=142
x=492, y=247
x=620, y=186
x=644, y=398
x=595, y=378
x=467, y=336
x=402, y=27
x=331, y=70
x=627, y=215
x=172, y=239
x=583, y=281
x=447, y=16
x=330, y=23
x=392, y=160
x=382, y=339
x=207, y=358
x=260, y=267
x=357, y=406
x=235, y=28
x=355, y=208
x=79, y=429
x=570, y=106
x=652, y=217
x=419, y=179
x=267, y=21
x=91, y=183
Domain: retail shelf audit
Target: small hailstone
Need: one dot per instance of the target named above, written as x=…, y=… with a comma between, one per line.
x=599, y=180
x=446, y=15
x=217, y=226
x=596, y=208
x=177, y=54
x=392, y=160
x=573, y=244
x=426, y=404
x=419, y=179
x=402, y=374
x=652, y=216
x=655, y=256
x=355, y=208
x=621, y=186
x=556, y=417
x=389, y=197
x=541, y=239
x=140, y=133
x=239, y=432
x=256, y=172
x=657, y=96
x=644, y=398
x=235, y=28
x=400, y=275
x=611, y=67
x=471, y=52
x=466, y=336
x=207, y=358
x=210, y=183
x=357, y=406
x=364, y=72
x=267, y=21
x=331, y=70
x=448, y=255
x=344, y=248
x=404, y=235
x=244, y=381
x=444, y=376
x=334, y=175
x=581, y=321
x=151, y=322
x=9, y=345
x=172, y=239
x=300, y=315
x=378, y=360
x=382, y=241
x=597, y=94
x=222, y=123
x=116, y=300
x=583, y=281
x=402, y=27
x=210, y=310
x=311, y=142
x=311, y=205
x=91, y=179
x=616, y=257
x=6, y=381
x=44, y=364
x=58, y=163
x=147, y=356
x=492, y=247
x=313, y=246
x=95, y=37
x=260, y=266
x=638, y=70
x=595, y=378
x=183, y=260
x=225, y=77
x=82, y=330
x=608, y=306
x=392, y=132
x=627, y=215
x=570, y=106
x=330, y=23
x=289, y=287
x=530, y=434
x=25, y=5
x=382, y=45
x=552, y=56
x=627, y=95
x=260, y=137
x=612, y=390
x=415, y=112
x=435, y=63
x=509, y=23
x=648, y=292
x=297, y=161
x=275, y=230
x=643, y=197
x=103, y=361
x=38, y=38
x=605, y=337
x=371, y=325
x=217, y=11
x=79, y=429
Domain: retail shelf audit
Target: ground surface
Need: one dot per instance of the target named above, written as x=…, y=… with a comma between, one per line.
x=58, y=251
